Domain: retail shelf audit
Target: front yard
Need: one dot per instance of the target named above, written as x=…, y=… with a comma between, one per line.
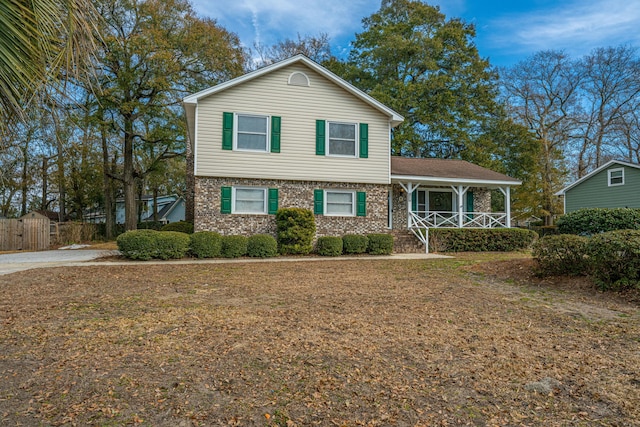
x=466, y=341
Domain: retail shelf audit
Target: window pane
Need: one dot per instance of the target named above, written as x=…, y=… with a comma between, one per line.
x=343, y=148
x=252, y=141
x=249, y=200
x=342, y=131
x=252, y=124
x=339, y=197
x=339, y=203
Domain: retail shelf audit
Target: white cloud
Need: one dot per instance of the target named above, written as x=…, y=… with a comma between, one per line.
x=274, y=20
x=576, y=27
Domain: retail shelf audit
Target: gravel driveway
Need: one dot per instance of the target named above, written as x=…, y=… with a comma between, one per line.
x=10, y=263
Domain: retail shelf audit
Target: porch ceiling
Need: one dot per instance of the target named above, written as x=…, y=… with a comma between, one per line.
x=445, y=172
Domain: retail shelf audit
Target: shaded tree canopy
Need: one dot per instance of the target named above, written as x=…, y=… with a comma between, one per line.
x=411, y=58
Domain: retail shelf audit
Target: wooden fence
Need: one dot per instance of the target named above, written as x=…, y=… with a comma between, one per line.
x=28, y=234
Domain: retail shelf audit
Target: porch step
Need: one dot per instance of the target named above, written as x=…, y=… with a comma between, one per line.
x=405, y=242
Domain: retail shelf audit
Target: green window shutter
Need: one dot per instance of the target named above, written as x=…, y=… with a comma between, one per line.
x=225, y=200
x=414, y=201
x=470, y=203
x=361, y=207
x=364, y=140
x=320, y=137
x=273, y=201
x=318, y=202
x=227, y=131
x=275, y=134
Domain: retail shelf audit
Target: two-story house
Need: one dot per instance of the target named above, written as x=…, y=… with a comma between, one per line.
x=293, y=134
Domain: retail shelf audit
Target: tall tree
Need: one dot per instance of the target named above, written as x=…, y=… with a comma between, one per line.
x=152, y=53
x=541, y=92
x=411, y=58
x=316, y=48
x=610, y=88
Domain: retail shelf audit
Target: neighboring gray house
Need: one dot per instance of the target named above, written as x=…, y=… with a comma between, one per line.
x=171, y=208
x=293, y=134
x=615, y=184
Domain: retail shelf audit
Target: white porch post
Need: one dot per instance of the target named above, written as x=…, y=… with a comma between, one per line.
x=460, y=192
x=507, y=205
x=409, y=189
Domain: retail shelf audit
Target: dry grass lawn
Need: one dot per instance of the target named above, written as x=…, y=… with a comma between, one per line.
x=467, y=341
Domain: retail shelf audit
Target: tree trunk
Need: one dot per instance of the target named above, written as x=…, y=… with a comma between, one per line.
x=24, y=185
x=155, y=204
x=128, y=175
x=45, y=182
x=106, y=183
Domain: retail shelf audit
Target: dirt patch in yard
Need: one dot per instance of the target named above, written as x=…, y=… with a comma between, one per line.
x=474, y=340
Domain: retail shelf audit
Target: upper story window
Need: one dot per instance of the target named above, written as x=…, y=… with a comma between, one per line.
x=342, y=139
x=252, y=132
x=616, y=177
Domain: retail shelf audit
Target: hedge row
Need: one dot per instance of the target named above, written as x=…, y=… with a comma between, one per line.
x=373, y=244
x=480, y=239
x=592, y=221
x=612, y=259
x=147, y=244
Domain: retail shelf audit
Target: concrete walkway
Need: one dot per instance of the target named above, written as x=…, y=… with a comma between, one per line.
x=11, y=263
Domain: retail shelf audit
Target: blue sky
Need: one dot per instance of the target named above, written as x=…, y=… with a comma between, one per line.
x=507, y=30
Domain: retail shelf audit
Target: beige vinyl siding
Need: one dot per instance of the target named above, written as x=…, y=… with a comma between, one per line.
x=596, y=193
x=299, y=107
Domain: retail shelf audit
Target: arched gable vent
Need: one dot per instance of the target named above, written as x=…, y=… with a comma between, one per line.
x=298, y=78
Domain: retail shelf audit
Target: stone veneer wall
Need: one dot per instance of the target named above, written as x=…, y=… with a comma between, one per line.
x=297, y=194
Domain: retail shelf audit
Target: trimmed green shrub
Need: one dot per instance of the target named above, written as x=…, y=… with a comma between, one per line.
x=615, y=259
x=329, y=246
x=205, y=244
x=380, y=244
x=137, y=244
x=234, y=246
x=480, y=239
x=355, y=243
x=147, y=244
x=171, y=244
x=181, y=226
x=561, y=254
x=598, y=220
x=262, y=246
x=296, y=230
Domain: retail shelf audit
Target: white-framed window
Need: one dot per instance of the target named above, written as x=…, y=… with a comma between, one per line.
x=249, y=200
x=251, y=132
x=616, y=177
x=339, y=202
x=342, y=139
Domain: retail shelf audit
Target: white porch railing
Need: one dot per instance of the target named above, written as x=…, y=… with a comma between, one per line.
x=450, y=219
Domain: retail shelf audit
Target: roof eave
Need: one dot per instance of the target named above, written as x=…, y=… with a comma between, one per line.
x=590, y=174
x=443, y=180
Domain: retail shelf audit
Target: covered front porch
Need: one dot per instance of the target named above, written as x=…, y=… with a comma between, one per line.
x=437, y=193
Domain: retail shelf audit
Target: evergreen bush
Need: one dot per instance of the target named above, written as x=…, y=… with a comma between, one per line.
x=296, y=230
x=137, y=244
x=171, y=245
x=181, y=226
x=329, y=246
x=592, y=221
x=234, y=246
x=355, y=243
x=481, y=239
x=615, y=259
x=262, y=246
x=380, y=244
x=561, y=254
x=205, y=244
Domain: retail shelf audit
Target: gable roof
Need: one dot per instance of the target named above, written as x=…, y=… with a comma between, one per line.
x=446, y=171
x=594, y=172
x=166, y=209
x=394, y=117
